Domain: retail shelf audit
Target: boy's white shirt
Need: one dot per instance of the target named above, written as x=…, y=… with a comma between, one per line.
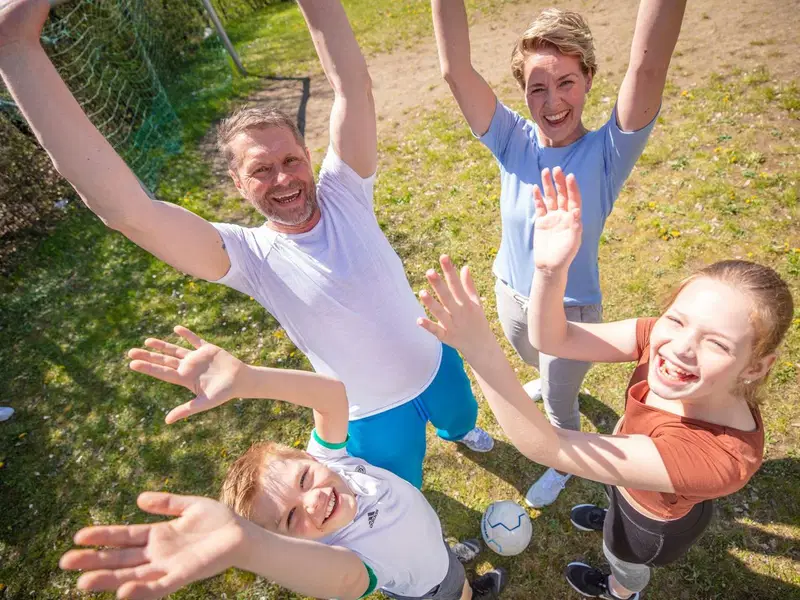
x=395, y=531
x=341, y=293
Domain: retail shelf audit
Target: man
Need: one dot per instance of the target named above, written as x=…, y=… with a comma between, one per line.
x=320, y=264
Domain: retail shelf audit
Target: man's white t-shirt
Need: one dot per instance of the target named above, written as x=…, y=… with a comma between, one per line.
x=341, y=294
x=395, y=532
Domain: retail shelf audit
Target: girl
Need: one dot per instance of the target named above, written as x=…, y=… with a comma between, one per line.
x=554, y=64
x=691, y=431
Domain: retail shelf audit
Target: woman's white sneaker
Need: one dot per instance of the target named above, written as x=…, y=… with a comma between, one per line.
x=546, y=489
x=534, y=389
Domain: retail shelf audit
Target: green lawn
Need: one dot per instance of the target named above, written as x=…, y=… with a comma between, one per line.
x=89, y=434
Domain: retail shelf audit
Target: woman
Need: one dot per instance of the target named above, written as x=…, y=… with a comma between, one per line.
x=691, y=431
x=554, y=64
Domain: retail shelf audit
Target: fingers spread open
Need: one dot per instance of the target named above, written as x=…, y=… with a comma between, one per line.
x=121, y=536
x=163, y=503
x=92, y=560
x=189, y=335
x=166, y=347
x=549, y=190
x=538, y=201
x=451, y=277
x=159, y=372
x=469, y=285
x=573, y=193
x=107, y=580
x=149, y=590
x=436, y=309
x=154, y=357
x=194, y=406
x=561, y=188
x=432, y=327
x=440, y=288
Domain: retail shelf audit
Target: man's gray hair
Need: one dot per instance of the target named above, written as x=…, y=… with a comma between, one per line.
x=252, y=117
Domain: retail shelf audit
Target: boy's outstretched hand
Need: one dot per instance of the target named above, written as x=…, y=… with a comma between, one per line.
x=558, y=227
x=209, y=372
x=460, y=321
x=152, y=561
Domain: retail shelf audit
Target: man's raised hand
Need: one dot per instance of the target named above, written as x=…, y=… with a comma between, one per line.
x=208, y=371
x=558, y=227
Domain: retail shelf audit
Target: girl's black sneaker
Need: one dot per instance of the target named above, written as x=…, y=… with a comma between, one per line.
x=588, y=517
x=591, y=582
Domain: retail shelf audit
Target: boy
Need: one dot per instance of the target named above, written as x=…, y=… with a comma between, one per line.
x=360, y=526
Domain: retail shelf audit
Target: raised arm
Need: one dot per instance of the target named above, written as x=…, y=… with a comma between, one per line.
x=207, y=538
x=556, y=240
x=622, y=460
x=474, y=96
x=353, y=128
x=81, y=154
x=215, y=377
x=657, y=27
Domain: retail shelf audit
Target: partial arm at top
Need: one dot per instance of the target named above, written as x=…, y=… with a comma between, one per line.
x=81, y=154
x=353, y=128
x=206, y=538
x=216, y=376
x=474, y=96
x=658, y=25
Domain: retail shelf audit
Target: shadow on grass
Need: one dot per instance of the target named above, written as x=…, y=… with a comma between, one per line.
x=506, y=462
x=602, y=416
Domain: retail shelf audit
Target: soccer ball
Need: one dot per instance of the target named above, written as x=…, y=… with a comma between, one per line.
x=506, y=528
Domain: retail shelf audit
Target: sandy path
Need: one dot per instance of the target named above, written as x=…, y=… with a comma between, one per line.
x=716, y=34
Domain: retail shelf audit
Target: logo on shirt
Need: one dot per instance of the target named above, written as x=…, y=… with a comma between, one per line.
x=372, y=516
x=361, y=469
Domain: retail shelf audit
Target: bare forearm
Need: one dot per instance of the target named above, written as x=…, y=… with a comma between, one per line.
x=658, y=25
x=521, y=420
x=305, y=567
x=79, y=152
x=547, y=321
x=338, y=51
x=326, y=396
x=452, y=37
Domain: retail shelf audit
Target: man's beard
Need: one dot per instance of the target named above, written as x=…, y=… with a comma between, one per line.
x=292, y=217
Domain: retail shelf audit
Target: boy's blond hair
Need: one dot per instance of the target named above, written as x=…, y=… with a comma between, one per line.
x=563, y=30
x=245, y=476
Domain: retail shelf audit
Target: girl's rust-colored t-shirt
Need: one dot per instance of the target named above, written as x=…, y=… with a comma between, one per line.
x=703, y=460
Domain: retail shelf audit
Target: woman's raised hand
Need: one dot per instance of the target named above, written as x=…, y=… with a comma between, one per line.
x=557, y=230
x=208, y=371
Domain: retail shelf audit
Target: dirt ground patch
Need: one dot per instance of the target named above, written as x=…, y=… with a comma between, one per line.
x=716, y=35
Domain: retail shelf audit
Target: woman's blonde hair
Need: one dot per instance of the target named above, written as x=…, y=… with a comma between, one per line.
x=772, y=304
x=563, y=30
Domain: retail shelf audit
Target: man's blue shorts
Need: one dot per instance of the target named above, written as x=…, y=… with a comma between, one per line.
x=395, y=439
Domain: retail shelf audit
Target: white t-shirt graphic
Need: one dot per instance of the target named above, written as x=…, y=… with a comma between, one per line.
x=395, y=531
x=341, y=294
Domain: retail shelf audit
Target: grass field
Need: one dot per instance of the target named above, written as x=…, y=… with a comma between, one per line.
x=720, y=178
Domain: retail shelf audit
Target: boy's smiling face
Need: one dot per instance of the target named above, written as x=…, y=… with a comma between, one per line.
x=302, y=498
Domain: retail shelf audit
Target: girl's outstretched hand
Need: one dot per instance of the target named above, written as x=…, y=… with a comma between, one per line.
x=208, y=371
x=152, y=561
x=557, y=230
x=460, y=321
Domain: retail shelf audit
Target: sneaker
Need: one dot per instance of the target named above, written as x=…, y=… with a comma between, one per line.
x=5, y=413
x=588, y=517
x=467, y=550
x=546, y=489
x=534, y=389
x=489, y=585
x=478, y=440
x=591, y=582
